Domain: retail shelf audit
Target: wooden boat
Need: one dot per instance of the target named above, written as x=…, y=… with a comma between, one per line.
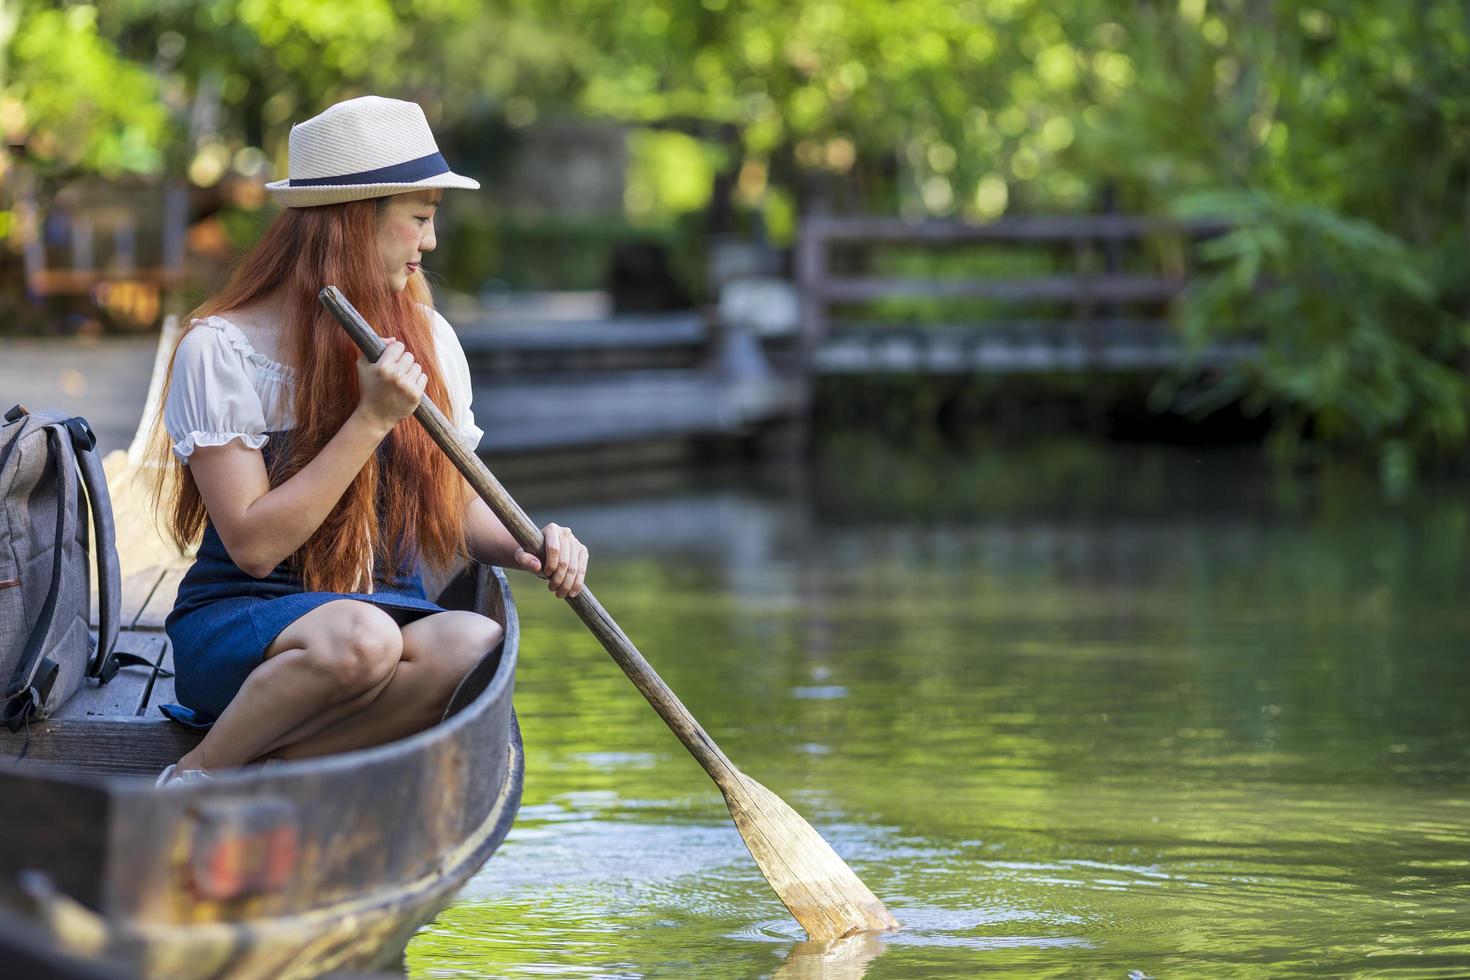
x=289, y=870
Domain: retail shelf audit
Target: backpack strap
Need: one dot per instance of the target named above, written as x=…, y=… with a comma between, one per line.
x=105, y=663
x=32, y=681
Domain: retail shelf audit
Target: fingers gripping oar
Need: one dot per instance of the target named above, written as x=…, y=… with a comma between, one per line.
x=821, y=891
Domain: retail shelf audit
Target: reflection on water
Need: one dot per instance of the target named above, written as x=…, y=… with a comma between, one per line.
x=835, y=959
x=1069, y=710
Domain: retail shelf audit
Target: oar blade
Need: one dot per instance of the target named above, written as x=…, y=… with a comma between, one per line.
x=822, y=892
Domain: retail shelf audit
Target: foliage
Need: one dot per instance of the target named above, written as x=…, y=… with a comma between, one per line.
x=1355, y=348
x=89, y=108
x=1334, y=114
x=926, y=106
x=1337, y=134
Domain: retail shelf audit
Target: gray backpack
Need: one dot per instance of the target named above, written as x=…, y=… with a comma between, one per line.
x=45, y=596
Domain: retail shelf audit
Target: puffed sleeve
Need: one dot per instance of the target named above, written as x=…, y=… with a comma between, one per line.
x=456, y=368
x=211, y=396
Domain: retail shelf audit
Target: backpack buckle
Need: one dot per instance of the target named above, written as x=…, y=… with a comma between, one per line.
x=108, y=670
x=24, y=705
x=20, y=708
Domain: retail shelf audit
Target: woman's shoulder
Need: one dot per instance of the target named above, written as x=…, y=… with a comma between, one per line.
x=220, y=335
x=436, y=319
x=445, y=337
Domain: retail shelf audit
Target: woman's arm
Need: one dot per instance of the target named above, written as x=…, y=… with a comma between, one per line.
x=261, y=527
x=491, y=542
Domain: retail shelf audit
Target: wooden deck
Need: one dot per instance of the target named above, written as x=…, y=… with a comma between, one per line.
x=1014, y=347
x=539, y=387
x=565, y=385
x=533, y=413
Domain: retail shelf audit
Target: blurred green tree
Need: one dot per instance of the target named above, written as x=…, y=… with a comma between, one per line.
x=1336, y=134
x=75, y=99
x=1349, y=110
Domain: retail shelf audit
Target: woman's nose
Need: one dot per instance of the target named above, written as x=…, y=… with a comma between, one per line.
x=427, y=243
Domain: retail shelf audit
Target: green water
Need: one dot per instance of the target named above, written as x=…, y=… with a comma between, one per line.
x=1069, y=710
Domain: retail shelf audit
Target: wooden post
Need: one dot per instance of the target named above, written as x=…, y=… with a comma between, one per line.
x=29, y=219
x=1082, y=304
x=82, y=253
x=1112, y=245
x=811, y=280
x=175, y=219
x=125, y=243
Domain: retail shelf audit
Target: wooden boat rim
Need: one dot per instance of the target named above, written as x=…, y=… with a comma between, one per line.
x=459, y=865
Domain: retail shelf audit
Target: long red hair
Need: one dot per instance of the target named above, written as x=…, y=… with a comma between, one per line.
x=408, y=500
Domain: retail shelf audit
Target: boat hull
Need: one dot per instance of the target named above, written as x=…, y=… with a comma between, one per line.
x=289, y=870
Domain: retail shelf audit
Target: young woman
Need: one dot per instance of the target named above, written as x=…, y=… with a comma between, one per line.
x=302, y=628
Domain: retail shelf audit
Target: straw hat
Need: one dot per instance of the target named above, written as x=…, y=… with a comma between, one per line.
x=365, y=147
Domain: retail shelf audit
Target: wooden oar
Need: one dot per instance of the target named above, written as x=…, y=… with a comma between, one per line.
x=821, y=891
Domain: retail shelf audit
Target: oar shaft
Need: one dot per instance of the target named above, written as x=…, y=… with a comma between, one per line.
x=528, y=536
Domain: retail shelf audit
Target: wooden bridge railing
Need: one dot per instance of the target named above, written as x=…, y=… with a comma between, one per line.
x=1095, y=288
x=88, y=244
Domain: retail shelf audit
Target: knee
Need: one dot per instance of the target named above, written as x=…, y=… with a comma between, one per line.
x=481, y=635
x=461, y=644
x=360, y=649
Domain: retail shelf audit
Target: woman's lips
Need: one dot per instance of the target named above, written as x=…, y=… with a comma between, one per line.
x=413, y=267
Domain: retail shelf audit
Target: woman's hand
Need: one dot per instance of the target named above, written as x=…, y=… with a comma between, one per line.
x=565, y=564
x=390, y=389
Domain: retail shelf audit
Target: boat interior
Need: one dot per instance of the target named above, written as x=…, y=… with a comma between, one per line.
x=116, y=728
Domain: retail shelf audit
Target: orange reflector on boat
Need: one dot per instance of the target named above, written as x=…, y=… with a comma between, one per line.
x=242, y=847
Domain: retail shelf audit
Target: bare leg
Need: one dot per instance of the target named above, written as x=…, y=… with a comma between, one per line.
x=438, y=651
x=326, y=664
x=327, y=716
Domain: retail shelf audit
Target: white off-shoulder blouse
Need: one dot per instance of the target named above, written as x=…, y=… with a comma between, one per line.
x=222, y=388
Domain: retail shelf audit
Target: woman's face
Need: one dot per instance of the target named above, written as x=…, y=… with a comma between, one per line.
x=405, y=233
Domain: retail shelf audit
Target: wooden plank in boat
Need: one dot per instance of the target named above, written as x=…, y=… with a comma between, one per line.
x=134, y=739
x=123, y=696
x=137, y=746
x=137, y=587
x=165, y=663
x=118, y=698
x=162, y=691
x=161, y=601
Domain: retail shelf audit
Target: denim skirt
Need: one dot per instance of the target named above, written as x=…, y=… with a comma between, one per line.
x=224, y=620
